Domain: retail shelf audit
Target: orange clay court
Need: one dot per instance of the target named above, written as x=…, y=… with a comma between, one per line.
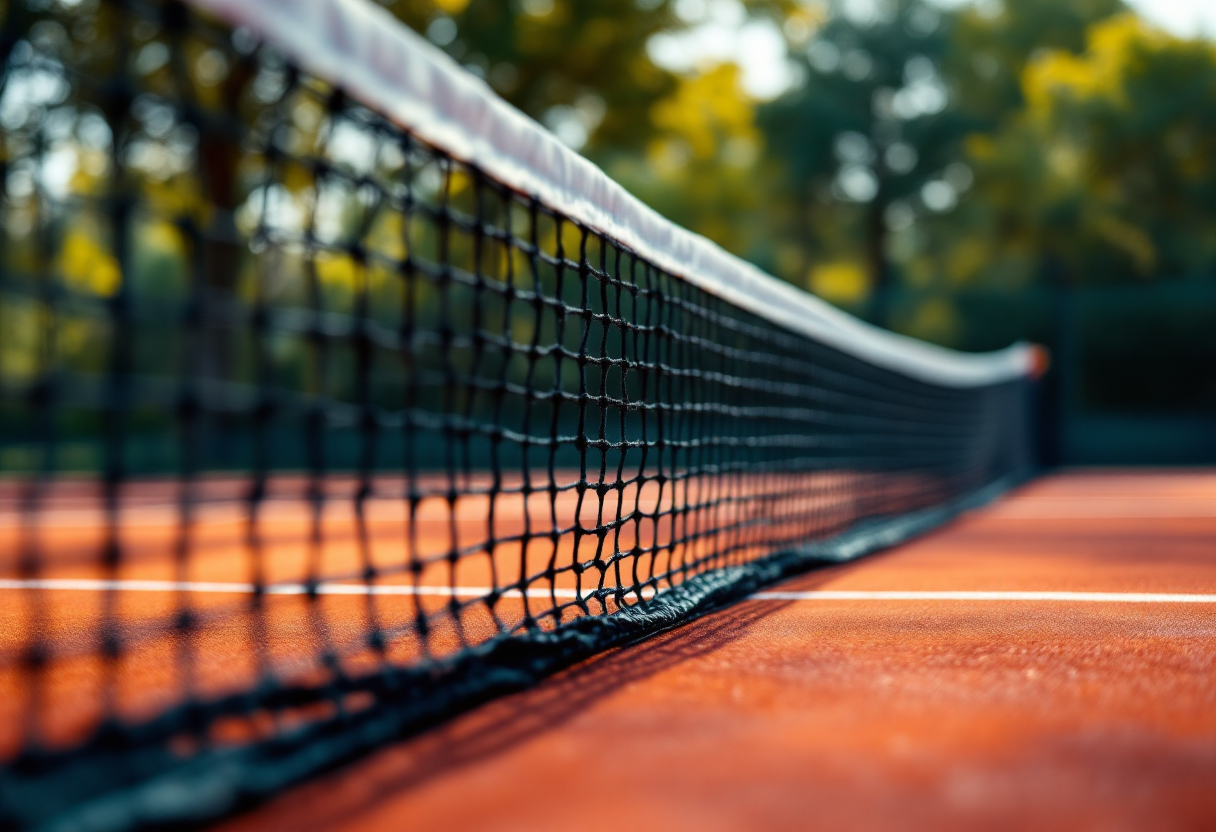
x=785, y=712
x=1046, y=661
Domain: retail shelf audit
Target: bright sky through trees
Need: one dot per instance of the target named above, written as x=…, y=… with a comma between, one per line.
x=722, y=33
x=1185, y=18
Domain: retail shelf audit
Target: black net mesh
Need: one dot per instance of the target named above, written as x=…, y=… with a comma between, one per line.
x=312, y=434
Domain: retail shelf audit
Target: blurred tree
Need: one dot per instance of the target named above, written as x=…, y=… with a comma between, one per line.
x=991, y=46
x=1098, y=170
x=868, y=130
x=685, y=142
x=581, y=67
x=698, y=166
x=998, y=230
x=875, y=155
x=1128, y=132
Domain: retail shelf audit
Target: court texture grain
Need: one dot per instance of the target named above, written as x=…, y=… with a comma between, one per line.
x=1045, y=662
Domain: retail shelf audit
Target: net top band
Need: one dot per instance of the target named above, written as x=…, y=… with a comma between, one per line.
x=385, y=65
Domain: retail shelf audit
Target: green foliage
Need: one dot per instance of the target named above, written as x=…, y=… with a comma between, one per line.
x=687, y=144
x=580, y=66
x=862, y=136
x=921, y=155
x=989, y=51
x=923, y=146
x=1128, y=130
x=699, y=164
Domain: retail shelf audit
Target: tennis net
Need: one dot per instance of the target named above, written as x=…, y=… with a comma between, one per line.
x=338, y=397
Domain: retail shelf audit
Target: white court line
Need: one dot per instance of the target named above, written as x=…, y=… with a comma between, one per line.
x=1073, y=516
x=102, y=585
x=1113, y=514
x=899, y=595
x=95, y=585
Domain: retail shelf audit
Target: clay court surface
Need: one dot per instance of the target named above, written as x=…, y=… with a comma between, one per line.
x=998, y=711
x=1048, y=661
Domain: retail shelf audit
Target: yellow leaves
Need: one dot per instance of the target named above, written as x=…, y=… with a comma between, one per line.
x=306, y=120
x=803, y=21
x=1130, y=240
x=86, y=266
x=1116, y=50
x=1121, y=134
x=700, y=167
x=843, y=281
x=740, y=152
x=980, y=147
x=459, y=183
x=338, y=271
x=967, y=259
x=598, y=34
x=451, y=6
x=295, y=177
x=163, y=237
x=159, y=254
x=20, y=323
x=935, y=319
x=788, y=261
x=1065, y=160
x=386, y=236
x=33, y=335
x=553, y=11
x=1098, y=71
x=210, y=67
x=1053, y=75
x=707, y=111
x=667, y=156
x=92, y=165
x=572, y=240
x=179, y=196
x=1110, y=39
x=543, y=29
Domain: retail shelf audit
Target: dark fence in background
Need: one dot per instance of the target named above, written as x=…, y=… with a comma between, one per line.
x=1133, y=377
